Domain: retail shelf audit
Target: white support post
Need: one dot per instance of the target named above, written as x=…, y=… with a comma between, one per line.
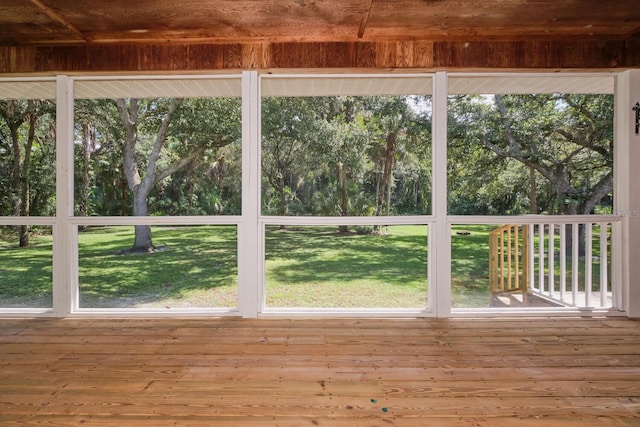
x=626, y=251
x=575, y=261
x=541, y=258
x=531, y=254
x=249, y=237
x=563, y=262
x=552, y=266
x=604, y=260
x=588, y=263
x=64, y=275
x=440, y=243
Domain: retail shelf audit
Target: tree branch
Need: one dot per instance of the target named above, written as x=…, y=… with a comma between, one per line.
x=129, y=118
x=600, y=190
x=174, y=167
x=152, y=178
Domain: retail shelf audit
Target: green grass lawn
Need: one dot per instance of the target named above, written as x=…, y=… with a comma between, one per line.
x=26, y=273
x=305, y=267
x=319, y=267
x=196, y=266
x=470, y=266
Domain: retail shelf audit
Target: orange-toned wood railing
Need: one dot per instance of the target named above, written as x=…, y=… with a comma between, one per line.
x=509, y=259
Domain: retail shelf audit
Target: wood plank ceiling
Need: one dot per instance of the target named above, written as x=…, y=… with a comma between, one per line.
x=80, y=21
x=607, y=29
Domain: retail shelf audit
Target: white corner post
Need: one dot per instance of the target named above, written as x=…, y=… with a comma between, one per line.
x=64, y=290
x=249, y=235
x=440, y=240
x=627, y=190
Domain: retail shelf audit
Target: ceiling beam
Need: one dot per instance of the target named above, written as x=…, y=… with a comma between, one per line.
x=365, y=20
x=412, y=55
x=59, y=18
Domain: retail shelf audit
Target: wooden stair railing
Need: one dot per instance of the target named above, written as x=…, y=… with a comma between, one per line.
x=509, y=260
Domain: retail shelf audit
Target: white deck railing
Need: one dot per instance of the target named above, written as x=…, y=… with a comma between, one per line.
x=564, y=260
x=571, y=262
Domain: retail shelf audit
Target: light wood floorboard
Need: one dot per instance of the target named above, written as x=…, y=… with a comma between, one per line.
x=320, y=372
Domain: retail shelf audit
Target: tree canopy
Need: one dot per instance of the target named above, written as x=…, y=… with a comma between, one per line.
x=330, y=156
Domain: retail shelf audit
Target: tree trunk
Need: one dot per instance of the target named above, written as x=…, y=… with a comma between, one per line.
x=141, y=187
x=533, y=192
x=88, y=145
x=389, y=188
x=581, y=240
x=283, y=201
x=142, y=241
x=344, y=196
x=22, y=195
x=384, y=193
x=572, y=209
x=17, y=184
x=385, y=184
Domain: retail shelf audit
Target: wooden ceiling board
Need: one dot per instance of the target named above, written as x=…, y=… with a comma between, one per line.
x=173, y=35
x=23, y=21
x=50, y=22
x=505, y=19
x=215, y=20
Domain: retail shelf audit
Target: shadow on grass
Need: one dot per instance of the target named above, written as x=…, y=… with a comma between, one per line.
x=470, y=266
x=26, y=273
x=319, y=267
x=198, y=261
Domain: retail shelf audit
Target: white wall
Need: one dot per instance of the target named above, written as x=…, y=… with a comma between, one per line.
x=627, y=153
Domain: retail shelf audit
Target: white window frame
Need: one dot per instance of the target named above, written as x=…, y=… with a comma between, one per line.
x=69, y=296
x=333, y=85
x=251, y=224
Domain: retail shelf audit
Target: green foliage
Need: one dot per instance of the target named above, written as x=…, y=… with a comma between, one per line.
x=326, y=155
x=566, y=139
x=209, y=185
x=27, y=157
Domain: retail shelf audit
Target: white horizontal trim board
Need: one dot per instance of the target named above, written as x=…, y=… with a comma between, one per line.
x=156, y=220
x=28, y=89
x=534, y=84
x=28, y=220
x=343, y=85
x=346, y=220
x=532, y=219
x=343, y=312
x=146, y=312
x=165, y=88
x=251, y=86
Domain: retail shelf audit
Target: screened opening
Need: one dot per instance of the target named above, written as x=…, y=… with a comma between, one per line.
x=27, y=149
x=521, y=146
x=338, y=175
x=27, y=189
x=543, y=145
x=350, y=146
x=192, y=267
x=321, y=267
x=346, y=146
x=525, y=265
x=157, y=147
x=26, y=271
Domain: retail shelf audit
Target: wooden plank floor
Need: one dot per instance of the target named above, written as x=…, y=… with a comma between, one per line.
x=320, y=372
